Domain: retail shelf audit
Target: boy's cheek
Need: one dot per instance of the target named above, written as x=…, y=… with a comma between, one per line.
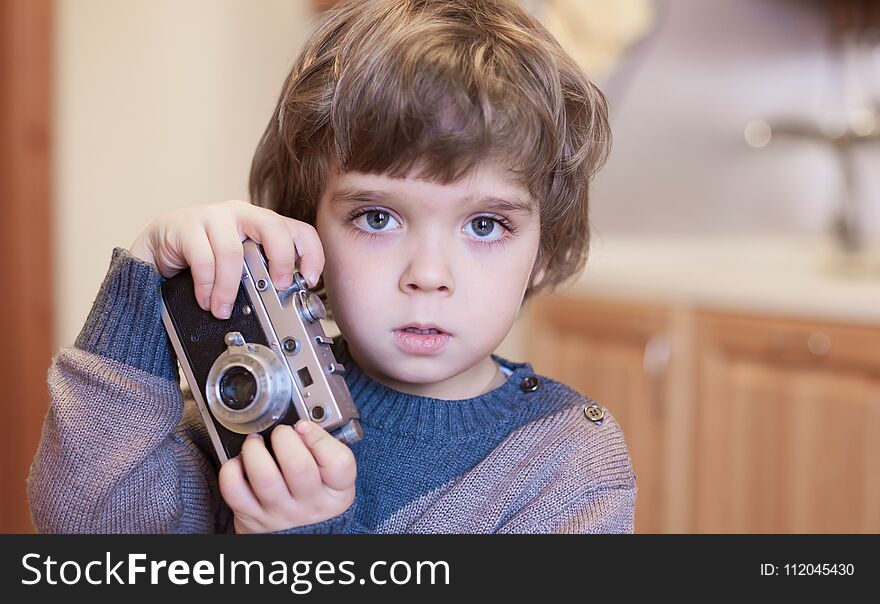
x=344, y=282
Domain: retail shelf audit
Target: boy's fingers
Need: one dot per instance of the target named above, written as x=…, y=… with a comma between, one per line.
x=196, y=250
x=229, y=262
x=263, y=474
x=235, y=489
x=267, y=228
x=297, y=465
x=335, y=460
x=309, y=248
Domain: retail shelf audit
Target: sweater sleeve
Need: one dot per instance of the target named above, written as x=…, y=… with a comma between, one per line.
x=120, y=451
x=607, y=509
x=579, y=479
x=343, y=524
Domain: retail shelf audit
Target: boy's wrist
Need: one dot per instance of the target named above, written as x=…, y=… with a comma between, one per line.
x=125, y=322
x=141, y=250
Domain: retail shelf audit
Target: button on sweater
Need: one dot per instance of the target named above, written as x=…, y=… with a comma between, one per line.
x=124, y=450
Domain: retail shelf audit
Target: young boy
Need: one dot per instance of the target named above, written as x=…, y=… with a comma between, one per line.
x=430, y=161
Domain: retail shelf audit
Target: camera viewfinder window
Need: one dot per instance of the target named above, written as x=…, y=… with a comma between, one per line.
x=305, y=377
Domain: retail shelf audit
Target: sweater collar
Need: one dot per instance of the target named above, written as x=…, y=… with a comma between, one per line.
x=432, y=418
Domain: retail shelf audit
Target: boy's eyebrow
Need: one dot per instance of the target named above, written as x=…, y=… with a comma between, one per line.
x=350, y=197
x=505, y=204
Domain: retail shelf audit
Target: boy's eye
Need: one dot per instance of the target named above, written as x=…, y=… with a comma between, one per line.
x=483, y=226
x=375, y=220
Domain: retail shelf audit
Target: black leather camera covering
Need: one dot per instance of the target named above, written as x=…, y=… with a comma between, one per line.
x=202, y=337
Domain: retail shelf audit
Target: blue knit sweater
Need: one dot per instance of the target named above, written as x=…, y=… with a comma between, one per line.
x=123, y=450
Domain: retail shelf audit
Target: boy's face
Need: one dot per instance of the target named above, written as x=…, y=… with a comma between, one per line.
x=405, y=251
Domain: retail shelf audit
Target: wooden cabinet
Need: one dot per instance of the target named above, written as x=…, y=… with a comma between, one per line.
x=787, y=426
x=735, y=423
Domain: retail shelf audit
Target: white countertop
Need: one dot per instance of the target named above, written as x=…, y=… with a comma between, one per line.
x=793, y=276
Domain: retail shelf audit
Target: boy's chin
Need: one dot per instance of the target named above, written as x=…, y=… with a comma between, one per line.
x=388, y=359
x=420, y=368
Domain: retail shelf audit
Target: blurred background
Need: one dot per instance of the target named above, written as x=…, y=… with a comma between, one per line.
x=729, y=314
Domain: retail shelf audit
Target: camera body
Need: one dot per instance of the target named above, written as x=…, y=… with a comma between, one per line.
x=270, y=363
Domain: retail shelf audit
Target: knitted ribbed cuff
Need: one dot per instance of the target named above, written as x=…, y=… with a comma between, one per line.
x=338, y=524
x=125, y=323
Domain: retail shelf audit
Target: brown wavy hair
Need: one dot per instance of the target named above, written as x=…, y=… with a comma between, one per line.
x=431, y=88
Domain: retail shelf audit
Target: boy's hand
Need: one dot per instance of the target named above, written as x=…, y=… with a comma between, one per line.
x=208, y=239
x=312, y=481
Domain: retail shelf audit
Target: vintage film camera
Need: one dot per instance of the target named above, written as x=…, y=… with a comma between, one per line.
x=270, y=363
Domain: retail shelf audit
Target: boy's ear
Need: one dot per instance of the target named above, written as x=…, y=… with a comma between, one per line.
x=536, y=278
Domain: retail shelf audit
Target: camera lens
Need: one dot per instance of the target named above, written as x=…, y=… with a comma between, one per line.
x=238, y=387
x=249, y=387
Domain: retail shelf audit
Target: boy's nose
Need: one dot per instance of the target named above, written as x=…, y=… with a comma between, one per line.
x=428, y=270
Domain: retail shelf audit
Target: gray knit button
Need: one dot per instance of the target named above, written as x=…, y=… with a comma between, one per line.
x=594, y=412
x=529, y=384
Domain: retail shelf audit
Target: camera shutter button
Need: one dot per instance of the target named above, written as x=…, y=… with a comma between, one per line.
x=312, y=308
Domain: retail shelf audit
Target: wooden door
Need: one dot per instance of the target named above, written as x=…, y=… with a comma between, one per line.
x=25, y=245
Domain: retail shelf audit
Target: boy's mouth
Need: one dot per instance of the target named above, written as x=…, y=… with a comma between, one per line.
x=423, y=329
x=421, y=339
